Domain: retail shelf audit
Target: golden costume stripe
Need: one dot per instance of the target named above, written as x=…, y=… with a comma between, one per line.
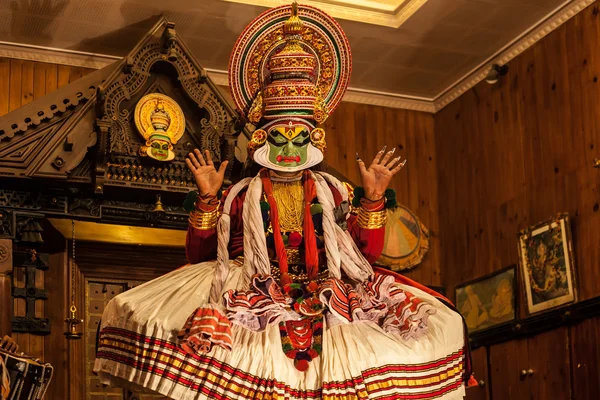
x=211, y=376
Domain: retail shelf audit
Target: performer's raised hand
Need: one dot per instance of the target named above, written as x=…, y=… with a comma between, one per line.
x=208, y=179
x=377, y=177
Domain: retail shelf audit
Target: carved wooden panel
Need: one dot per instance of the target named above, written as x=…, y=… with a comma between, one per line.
x=6, y=256
x=159, y=65
x=36, y=138
x=84, y=132
x=28, y=269
x=6, y=264
x=108, y=275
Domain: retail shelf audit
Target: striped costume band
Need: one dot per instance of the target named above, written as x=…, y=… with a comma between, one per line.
x=129, y=354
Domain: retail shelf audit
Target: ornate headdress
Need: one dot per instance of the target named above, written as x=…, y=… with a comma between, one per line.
x=291, y=63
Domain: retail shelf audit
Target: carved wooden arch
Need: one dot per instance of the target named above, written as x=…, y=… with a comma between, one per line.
x=192, y=81
x=218, y=132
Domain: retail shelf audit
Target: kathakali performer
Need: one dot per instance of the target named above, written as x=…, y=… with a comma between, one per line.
x=280, y=299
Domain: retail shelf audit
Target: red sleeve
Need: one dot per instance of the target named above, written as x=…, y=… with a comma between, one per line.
x=201, y=244
x=369, y=241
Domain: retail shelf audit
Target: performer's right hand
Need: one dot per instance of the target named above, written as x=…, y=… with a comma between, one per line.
x=208, y=179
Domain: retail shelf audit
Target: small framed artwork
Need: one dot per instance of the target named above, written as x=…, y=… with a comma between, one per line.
x=547, y=264
x=489, y=301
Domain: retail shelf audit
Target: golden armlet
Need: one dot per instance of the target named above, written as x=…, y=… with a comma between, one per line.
x=204, y=220
x=371, y=219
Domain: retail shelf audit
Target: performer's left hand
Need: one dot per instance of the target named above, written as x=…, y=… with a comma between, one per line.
x=377, y=177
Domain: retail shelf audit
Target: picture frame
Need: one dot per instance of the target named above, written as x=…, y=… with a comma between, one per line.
x=489, y=301
x=547, y=264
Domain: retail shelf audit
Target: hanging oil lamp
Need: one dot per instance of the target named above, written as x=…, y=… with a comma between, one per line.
x=72, y=320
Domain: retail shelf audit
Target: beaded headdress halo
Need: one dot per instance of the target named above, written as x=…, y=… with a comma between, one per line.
x=291, y=62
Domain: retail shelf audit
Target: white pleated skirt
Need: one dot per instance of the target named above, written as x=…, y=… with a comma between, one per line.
x=138, y=347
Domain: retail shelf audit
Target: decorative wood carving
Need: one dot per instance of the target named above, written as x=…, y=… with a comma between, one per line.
x=31, y=261
x=6, y=224
x=82, y=141
x=85, y=133
x=44, y=138
x=5, y=256
x=6, y=264
x=22, y=226
x=159, y=64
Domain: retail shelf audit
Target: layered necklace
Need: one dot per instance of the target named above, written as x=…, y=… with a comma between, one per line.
x=289, y=197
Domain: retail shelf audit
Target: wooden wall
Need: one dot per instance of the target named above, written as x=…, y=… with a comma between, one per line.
x=21, y=82
x=365, y=129
x=511, y=155
x=515, y=153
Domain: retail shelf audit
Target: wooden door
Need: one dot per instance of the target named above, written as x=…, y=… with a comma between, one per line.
x=98, y=293
x=537, y=368
x=507, y=361
x=480, y=370
x=549, y=361
x=105, y=270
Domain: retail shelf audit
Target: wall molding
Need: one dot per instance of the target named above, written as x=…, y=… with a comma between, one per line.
x=355, y=95
x=392, y=100
x=54, y=55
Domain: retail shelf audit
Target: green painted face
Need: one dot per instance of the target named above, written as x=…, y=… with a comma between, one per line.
x=288, y=152
x=159, y=150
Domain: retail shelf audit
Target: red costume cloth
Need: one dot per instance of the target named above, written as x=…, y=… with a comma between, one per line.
x=201, y=245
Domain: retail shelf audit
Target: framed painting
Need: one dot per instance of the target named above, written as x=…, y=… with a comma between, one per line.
x=547, y=264
x=489, y=301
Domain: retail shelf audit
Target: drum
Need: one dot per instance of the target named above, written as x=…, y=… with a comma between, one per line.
x=29, y=378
